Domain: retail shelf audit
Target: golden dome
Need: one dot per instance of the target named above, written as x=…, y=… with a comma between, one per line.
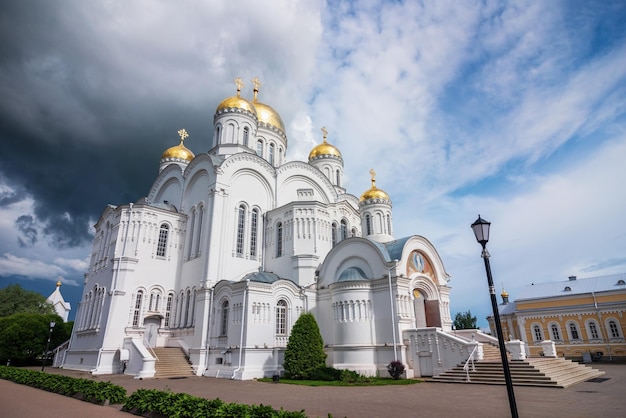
x=324, y=149
x=374, y=192
x=268, y=115
x=180, y=151
x=237, y=102
x=504, y=293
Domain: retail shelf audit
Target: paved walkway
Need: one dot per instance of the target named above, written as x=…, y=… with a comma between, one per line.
x=588, y=399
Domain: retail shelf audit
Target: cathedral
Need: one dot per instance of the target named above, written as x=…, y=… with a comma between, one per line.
x=230, y=246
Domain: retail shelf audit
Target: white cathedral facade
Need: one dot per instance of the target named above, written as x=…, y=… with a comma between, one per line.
x=230, y=246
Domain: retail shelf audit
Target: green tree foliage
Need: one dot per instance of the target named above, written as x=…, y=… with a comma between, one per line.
x=15, y=299
x=24, y=336
x=305, y=349
x=464, y=320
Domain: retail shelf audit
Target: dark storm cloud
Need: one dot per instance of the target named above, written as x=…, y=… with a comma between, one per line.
x=76, y=130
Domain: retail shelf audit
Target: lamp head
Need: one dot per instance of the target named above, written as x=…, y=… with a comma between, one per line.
x=52, y=324
x=481, y=231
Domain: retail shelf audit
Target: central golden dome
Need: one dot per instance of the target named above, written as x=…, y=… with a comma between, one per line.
x=268, y=115
x=237, y=102
x=374, y=192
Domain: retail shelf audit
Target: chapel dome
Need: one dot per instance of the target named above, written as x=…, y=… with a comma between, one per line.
x=374, y=192
x=324, y=149
x=236, y=102
x=180, y=151
x=267, y=115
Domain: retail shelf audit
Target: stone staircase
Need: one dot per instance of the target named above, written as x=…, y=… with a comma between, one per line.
x=171, y=363
x=542, y=371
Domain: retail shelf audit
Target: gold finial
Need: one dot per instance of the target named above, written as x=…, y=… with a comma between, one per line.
x=239, y=84
x=257, y=84
x=183, y=134
x=59, y=283
x=325, y=132
x=373, y=174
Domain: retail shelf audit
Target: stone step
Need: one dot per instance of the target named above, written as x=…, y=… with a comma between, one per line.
x=171, y=362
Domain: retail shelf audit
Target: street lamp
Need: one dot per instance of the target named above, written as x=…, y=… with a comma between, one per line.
x=45, y=353
x=481, y=231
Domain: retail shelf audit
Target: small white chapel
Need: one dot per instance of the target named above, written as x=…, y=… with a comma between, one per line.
x=230, y=246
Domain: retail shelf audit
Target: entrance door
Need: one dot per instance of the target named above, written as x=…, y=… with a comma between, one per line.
x=152, y=325
x=420, y=309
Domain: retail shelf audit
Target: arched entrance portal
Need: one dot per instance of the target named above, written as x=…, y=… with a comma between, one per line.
x=426, y=311
x=151, y=333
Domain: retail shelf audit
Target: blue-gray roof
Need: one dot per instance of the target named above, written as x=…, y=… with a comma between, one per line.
x=574, y=287
x=262, y=277
x=507, y=309
x=352, y=274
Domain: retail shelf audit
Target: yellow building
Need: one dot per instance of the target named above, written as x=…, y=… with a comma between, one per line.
x=583, y=317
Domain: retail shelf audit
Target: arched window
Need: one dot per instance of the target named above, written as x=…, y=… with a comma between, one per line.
x=614, y=328
x=187, y=307
x=537, y=334
x=338, y=178
x=191, y=230
x=168, y=309
x=224, y=331
x=218, y=133
x=353, y=232
x=150, y=304
x=344, y=229
x=592, y=330
x=241, y=221
x=280, y=155
x=368, y=224
x=137, y=311
x=333, y=234
x=271, y=156
x=574, y=334
x=246, y=134
x=162, y=244
x=254, y=225
x=281, y=318
x=555, y=332
x=388, y=224
x=279, y=239
x=259, y=148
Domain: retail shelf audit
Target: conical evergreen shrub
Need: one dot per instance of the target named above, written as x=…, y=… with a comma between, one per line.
x=305, y=349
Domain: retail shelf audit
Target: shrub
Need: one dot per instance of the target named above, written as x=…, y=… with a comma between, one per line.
x=305, y=349
x=395, y=369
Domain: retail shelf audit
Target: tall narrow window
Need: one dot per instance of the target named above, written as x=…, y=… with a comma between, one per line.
x=279, y=239
x=190, y=232
x=537, y=333
x=224, y=319
x=338, y=178
x=162, y=244
x=344, y=229
x=150, y=304
x=388, y=224
x=168, y=309
x=198, y=229
x=368, y=224
x=241, y=221
x=259, y=148
x=218, y=132
x=613, y=329
x=254, y=224
x=280, y=155
x=137, y=311
x=556, y=335
x=593, y=330
x=281, y=318
x=573, y=330
x=187, y=307
x=271, y=156
x=246, y=133
x=333, y=234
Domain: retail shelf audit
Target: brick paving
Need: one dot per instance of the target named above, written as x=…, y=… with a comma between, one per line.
x=588, y=399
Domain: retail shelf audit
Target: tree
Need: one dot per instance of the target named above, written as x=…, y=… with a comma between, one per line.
x=305, y=349
x=15, y=299
x=464, y=320
x=24, y=336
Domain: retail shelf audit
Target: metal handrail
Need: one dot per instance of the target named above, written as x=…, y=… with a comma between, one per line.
x=147, y=345
x=466, y=366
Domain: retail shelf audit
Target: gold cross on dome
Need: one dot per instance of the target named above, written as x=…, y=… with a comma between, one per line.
x=325, y=132
x=183, y=134
x=373, y=174
x=239, y=84
x=257, y=84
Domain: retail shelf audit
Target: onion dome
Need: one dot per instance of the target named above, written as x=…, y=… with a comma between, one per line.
x=180, y=151
x=264, y=112
x=324, y=149
x=237, y=102
x=374, y=192
x=504, y=293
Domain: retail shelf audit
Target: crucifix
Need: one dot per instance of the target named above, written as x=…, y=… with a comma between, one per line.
x=183, y=134
x=239, y=84
x=325, y=132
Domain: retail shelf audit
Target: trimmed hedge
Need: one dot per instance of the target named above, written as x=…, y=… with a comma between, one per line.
x=152, y=402
x=87, y=390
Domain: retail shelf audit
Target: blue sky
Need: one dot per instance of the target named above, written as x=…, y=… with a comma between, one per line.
x=514, y=110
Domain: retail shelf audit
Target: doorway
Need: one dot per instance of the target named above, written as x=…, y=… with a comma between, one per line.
x=152, y=325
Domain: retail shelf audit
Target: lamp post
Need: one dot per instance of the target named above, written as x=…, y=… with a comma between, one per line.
x=393, y=319
x=45, y=353
x=481, y=231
